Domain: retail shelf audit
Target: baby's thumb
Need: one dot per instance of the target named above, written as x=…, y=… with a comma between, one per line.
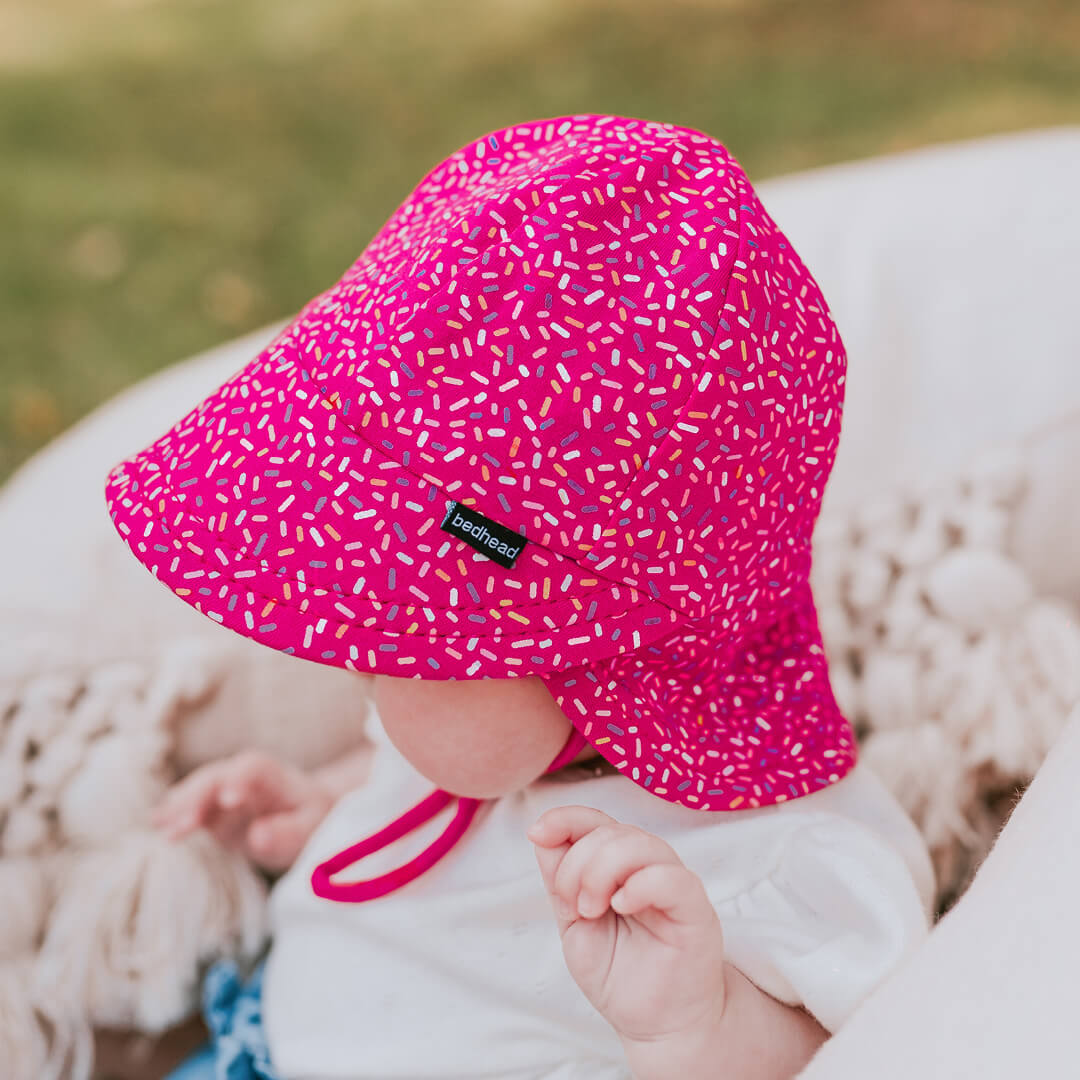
x=275, y=840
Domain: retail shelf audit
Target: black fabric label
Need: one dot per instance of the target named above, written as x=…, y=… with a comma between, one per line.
x=488, y=537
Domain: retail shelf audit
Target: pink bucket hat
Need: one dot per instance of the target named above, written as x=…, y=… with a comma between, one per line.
x=570, y=414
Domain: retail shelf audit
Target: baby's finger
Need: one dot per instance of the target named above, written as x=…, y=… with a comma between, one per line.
x=189, y=803
x=601, y=862
x=274, y=841
x=669, y=890
x=255, y=781
x=228, y=827
x=566, y=824
x=556, y=830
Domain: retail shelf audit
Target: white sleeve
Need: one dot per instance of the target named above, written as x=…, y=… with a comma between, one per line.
x=839, y=912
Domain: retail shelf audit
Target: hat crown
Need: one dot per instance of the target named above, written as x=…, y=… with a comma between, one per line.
x=589, y=332
x=564, y=314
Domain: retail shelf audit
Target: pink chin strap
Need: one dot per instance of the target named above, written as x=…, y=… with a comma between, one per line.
x=353, y=892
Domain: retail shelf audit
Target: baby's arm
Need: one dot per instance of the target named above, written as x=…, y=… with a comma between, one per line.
x=643, y=941
x=256, y=803
x=755, y=1037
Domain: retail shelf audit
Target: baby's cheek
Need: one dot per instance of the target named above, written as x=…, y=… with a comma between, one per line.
x=482, y=739
x=471, y=768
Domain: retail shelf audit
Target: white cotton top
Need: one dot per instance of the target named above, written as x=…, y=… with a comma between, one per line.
x=459, y=975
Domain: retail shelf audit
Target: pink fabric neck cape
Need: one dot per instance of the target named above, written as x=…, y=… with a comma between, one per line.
x=570, y=414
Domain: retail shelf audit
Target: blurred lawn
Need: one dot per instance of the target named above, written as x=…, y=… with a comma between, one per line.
x=176, y=173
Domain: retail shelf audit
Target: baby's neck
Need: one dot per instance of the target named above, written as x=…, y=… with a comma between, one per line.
x=587, y=763
x=587, y=753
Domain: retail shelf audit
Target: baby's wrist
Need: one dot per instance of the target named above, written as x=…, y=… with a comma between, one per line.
x=750, y=1035
x=688, y=1054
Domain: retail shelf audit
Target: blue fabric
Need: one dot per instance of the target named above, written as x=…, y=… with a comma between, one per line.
x=232, y=1009
x=200, y=1066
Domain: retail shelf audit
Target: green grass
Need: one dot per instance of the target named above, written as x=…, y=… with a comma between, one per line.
x=176, y=173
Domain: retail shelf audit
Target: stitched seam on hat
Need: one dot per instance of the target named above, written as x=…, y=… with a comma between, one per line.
x=497, y=632
x=415, y=602
x=345, y=597
x=167, y=491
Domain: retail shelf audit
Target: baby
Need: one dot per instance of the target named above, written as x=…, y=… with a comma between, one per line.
x=545, y=462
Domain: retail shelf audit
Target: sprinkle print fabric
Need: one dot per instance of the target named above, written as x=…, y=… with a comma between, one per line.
x=588, y=330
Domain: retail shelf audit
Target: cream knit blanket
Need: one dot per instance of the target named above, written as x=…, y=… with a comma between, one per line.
x=957, y=675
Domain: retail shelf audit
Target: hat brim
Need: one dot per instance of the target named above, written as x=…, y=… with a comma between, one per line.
x=265, y=509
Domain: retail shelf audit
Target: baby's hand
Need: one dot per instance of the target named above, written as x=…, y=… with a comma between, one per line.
x=639, y=934
x=251, y=802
